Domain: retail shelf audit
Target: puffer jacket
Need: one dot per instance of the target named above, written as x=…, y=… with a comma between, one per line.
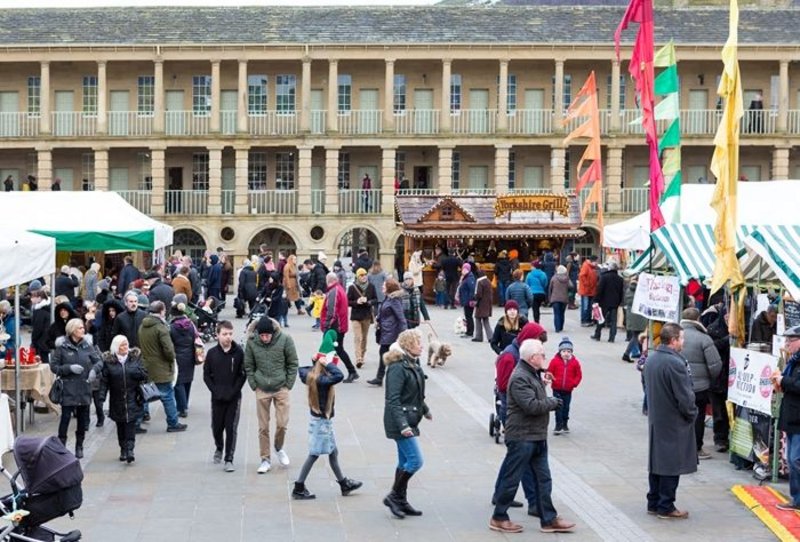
x=157, y=349
x=58, y=327
x=77, y=390
x=537, y=281
x=273, y=365
x=466, y=289
x=567, y=375
x=40, y=323
x=121, y=381
x=698, y=348
x=522, y=294
x=183, y=333
x=334, y=311
x=405, y=394
x=391, y=320
x=105, y=335
x=528, y=405
x=247, y=284
x=128, y=323
x=505, y=332
x=587, y=280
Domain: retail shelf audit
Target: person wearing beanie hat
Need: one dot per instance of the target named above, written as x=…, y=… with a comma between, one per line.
x=503, y=270
x=361, y=297
x=558, y=294
x=214, y=278
x=183, y=334
x=34, y=286
x=270, y=361
x=566, y=371
x=466, y=297
x=508, y=327
x=413, y=305
x=321, y=379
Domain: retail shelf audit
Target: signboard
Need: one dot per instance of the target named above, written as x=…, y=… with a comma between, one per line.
x=539, y=202
x=657, y=297
x=749, y=382
x=791, y=312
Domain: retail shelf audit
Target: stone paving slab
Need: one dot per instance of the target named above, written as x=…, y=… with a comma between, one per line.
x=174, y=491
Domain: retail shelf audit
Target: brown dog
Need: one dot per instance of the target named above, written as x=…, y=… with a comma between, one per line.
x=438, y=352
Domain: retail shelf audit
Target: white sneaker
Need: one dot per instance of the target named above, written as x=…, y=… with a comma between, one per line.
x=283, y=458
x=264, y=467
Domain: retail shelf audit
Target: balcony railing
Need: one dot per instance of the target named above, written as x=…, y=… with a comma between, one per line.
x=532, y=191
x=227, y=122
x=356, y=201
x=281, y=202
x=759, y=122
x=129, y=123
x=473, y=191
x=73, y=123
x=19, y=125
x=417, y=192
x=228, y=202
x=184, y=123
x=318, y=119
x=360, y=121
x=793, y=124
x=635, y=200
x=474, y=121
x=417, y=121
x=700, y=121
x=186, y=202
x=584, y=193
x=140, y=199
x=273, y=123
x=317, y=201
x=531, y=121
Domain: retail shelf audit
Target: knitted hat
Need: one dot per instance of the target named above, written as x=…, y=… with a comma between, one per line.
x=265, y=325
x=360, y=272
x=466, y=267
x=565, y=344
x=511, y=304
x=34, y=286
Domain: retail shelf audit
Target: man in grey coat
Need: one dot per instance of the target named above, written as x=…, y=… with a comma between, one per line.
x=671, y=416
x=704, y=365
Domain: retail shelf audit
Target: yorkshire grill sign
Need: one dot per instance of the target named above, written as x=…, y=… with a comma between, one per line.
x=547, y=203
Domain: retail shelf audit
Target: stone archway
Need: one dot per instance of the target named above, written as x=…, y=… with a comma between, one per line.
x=276, y=240
x=190, y=242
x=589, y=244
x=351, y=240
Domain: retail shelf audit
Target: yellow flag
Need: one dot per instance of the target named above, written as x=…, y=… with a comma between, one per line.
x=725, y=163
x=665, y=56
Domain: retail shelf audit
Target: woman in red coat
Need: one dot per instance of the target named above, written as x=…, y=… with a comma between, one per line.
x=566, y=371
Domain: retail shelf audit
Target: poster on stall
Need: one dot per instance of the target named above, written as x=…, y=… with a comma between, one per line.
x=657, y=297
x=748, y=379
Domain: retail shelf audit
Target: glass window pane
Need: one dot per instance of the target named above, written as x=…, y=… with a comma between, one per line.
x=145, y=95
x=34, y=95
x=455, y=92
x=257, y=171
x=284, y=171
x=257, y=97
x=345, y=83
x=399, y=92
x=201, y=95
x=286, y=93
x=90, y=95
x=344, y=170
x=200, y=171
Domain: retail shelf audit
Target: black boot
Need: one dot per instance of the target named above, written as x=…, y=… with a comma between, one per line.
x=79, y=445
x=301, y=493
x=409, y=510
x=63, y=441
x=129, y=457
x=123, y=452
x=393, y=499
x=348, y=486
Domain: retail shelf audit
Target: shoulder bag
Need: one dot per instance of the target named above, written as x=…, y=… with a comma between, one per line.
x=150, y=392
x=56, y=393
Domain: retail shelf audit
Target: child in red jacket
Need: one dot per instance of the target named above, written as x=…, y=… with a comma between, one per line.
x=566, y=371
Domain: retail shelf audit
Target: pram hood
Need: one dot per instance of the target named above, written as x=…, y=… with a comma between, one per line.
x=46, y=466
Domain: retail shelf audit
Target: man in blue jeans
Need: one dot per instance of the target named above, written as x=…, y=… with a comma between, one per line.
x=526, y=443
x=159, y=360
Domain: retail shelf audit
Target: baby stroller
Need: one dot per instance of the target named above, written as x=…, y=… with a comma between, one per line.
x=495, y=423
x=259, y=309
x=51, y=478
x=207, y=318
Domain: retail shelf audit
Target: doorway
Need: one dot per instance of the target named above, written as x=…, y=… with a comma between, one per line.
x=174, y=203
x=422, y=177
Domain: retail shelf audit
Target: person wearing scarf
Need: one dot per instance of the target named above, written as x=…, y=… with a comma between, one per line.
x=361, y=297
x=508, y=327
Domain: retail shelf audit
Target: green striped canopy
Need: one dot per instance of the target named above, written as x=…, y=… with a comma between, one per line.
x=778, y=246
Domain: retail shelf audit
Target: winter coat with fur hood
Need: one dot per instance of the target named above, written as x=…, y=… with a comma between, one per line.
x=405, y=393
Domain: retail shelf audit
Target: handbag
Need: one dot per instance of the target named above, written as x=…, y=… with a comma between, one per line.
x=597, y=314
x=56, y=393
x=149, y=392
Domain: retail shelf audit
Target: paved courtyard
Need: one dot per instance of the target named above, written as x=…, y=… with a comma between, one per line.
x=175, y=493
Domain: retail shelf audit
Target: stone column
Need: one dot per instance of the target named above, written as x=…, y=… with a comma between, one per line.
x=558, y=105
x=214, y=125
x=158, y=98
x=444, y=115
x=389, y=157
x=305, y=97
x=616, y=106
x=44, y=99
x=614, y=180
x=332, y=118
x=780, y=163
x=242, y=159
x=158, y=167
x=388, y=97
x=102, y=94
x=101, y=169
x=502, y=98
x=214, y=181
x=241, y=102
x=783, y=98
x=501, y=155
x=445, y=177
x=44, y=167
x=557, y=175
x=331, y=180
x=304, y=180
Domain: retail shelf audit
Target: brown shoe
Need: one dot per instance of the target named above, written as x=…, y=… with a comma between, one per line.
x=506, y=526
x=675, y=514
x=559, y=525
x=359, y=364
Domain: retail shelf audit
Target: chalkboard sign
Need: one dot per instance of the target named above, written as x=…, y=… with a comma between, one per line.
x=791, y=312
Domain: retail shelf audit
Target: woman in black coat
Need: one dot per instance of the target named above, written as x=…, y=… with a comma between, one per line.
x=120, y=375
x=248, y=289
x=111, y=309
x=183, y=335
x=507, y=327
x=64, y=313
x=391, y=321
x=40, y=324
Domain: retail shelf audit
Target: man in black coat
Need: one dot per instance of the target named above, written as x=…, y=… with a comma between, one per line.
x=159, y=290
x=610, y=294
x=128, y=274
x=671, y=413
x=363, y=261
x=789, y=419
x=223, y=373
x=66, y=284
x=502, y=270
x=451, y=266
x=316, y=281
x=129, y=321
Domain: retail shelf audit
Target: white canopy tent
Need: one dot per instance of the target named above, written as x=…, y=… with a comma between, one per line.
x=85, y=220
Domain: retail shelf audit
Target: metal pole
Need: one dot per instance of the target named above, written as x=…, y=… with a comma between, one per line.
x=17, y=391
x=52, y=297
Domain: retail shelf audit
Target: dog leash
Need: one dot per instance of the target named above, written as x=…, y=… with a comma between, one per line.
x=432, y=328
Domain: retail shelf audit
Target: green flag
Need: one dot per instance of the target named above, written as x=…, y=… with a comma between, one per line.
x=673, y=187
x=672, y=137
x=667, y=81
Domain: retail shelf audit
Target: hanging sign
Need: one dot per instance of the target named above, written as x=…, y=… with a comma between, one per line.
x=657, y=297
x=748, y=379
x=539, y=202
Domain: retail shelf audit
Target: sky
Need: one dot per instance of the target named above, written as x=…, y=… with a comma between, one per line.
x=102, y=3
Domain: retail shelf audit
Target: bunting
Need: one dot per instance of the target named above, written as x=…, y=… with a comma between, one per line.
x=642, y=71
x=669, y=146
x=585, y=105
x=725, y=167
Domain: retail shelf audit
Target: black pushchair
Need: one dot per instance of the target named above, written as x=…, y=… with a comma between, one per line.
x=51, y=478
x=207, y=320
x=261, y=308
x=496, y=418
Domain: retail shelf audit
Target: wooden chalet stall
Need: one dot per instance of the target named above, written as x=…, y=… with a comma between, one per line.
x=484, y=226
